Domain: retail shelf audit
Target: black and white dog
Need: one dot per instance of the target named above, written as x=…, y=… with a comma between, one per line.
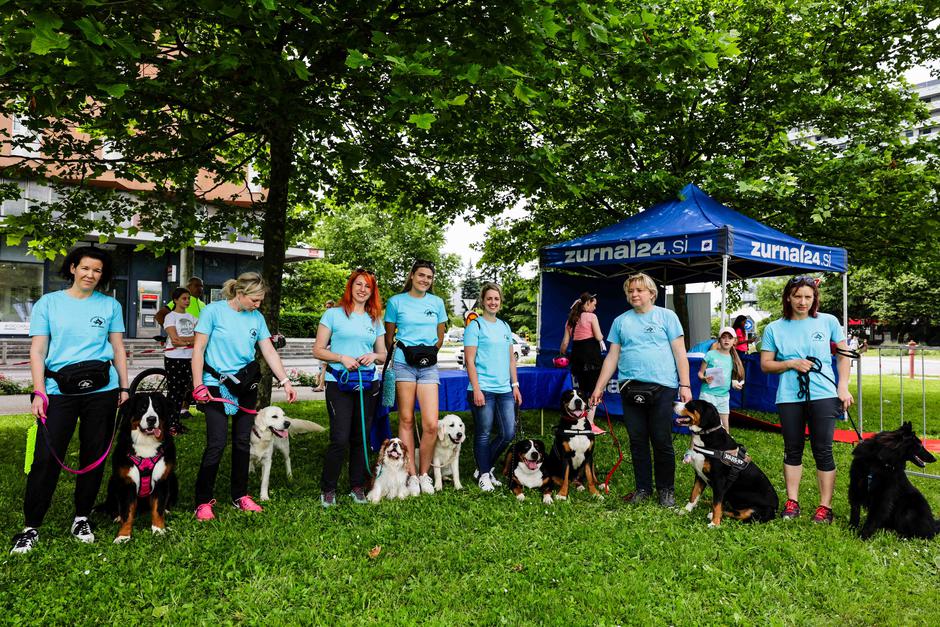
x=523, y=469
x=572, y=454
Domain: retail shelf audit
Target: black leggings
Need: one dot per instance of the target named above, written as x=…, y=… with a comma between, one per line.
x=217, y=422
x=652, y=426
x=821, y=416
x=346, y=432
x=179, y=382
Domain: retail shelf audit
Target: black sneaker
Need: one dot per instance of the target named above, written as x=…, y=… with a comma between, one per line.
x=667, y=497
x=24, y=541
x=81, y=529
x=358, y=495
x=637, y=497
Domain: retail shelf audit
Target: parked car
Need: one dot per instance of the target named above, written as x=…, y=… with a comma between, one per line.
x=520, y=348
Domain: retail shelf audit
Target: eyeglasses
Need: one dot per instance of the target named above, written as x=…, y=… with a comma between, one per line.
x=805, y=279
x=422, y=263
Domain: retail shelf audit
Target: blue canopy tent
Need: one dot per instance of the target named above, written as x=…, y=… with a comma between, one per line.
x=690, y=239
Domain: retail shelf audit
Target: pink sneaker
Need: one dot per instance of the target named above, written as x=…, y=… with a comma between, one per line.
x=246, y=504
x=204, y=511
x=597, y=430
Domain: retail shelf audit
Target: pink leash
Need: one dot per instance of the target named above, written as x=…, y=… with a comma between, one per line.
x=48, y=439
x=201, y=395
x=619, y=450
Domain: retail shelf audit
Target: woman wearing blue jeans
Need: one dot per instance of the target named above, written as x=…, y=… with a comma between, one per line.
x=493, y=392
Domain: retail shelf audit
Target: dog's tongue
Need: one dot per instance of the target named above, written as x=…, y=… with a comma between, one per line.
x=157, y=433
x=531, y=465
x=281, y=433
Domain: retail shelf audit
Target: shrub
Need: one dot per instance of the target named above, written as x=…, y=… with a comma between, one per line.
x=299, y=324
x=10, y=387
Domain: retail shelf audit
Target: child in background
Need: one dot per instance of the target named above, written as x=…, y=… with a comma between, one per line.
x=716, y=386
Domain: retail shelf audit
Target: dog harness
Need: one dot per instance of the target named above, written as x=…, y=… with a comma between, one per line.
x=145, y=466
x=738, y=460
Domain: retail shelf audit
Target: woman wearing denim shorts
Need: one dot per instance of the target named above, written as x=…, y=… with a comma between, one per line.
x=493, y=392
x=416, y=317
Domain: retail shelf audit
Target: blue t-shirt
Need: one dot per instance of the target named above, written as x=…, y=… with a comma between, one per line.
x=494, y=343
x=799, y=339
x=416, y=320
x=646, y=346
x=78, y=330
x=715, y=359
x=232, y=337
x=354, y=335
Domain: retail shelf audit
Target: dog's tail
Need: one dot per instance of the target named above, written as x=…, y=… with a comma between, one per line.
x=304, y=426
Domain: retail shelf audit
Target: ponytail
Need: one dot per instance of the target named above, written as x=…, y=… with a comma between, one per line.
x=247, y=283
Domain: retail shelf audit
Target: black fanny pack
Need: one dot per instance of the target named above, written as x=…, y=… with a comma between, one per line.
x=349, y=380
x=242, y=383
x=419, y=356
x=83, y=377
x=638, y=392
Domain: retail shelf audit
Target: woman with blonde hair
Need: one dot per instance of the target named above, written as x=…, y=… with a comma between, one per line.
x=225, y=381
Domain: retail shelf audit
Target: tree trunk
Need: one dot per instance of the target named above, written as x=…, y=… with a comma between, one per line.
x=681, y=308
x=274, y=224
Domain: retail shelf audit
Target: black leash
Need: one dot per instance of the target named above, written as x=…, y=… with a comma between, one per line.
x=803, y=380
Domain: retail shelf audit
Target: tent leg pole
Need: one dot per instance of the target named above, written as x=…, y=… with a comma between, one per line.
x=845, y=303
x=724, y=290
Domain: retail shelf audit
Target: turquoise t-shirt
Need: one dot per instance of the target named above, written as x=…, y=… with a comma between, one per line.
x=352, y=335
x=799, y=339
x=232, y=337
x=494, y=343
x=416, y=320
x=715, y=359
x=78, y=330
x=646, y=346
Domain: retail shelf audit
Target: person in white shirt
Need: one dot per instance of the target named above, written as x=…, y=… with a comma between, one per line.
x=180, y=329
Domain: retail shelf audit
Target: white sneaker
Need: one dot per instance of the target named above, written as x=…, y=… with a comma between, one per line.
x=412, y=485
x=24, y=541
x=486, y=483
x=496, y=482
x=81, y=529
x=427, y=486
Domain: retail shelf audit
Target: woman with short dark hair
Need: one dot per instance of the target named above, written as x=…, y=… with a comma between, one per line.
x=797, y=348
x=79, y=371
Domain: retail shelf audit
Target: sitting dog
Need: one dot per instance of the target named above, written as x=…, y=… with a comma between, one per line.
x=740, y=489
x=390, y=472
x=878, y=483
x=523, y=469
x=272, y=430
x=572, y=454
x=143, y=464
x=446, y=459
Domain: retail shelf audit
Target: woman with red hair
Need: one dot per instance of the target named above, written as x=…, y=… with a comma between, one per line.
x=350, y=341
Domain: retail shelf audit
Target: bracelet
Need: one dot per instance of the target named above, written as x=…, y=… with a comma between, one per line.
x=515, y=384
x=283, y=381
x=685, y=386
x=128, y=390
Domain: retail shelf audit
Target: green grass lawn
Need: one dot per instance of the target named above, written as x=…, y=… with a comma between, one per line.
x=461, y=558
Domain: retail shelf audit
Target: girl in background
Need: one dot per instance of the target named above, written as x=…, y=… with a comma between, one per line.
x=180, y=328
x=717, y=390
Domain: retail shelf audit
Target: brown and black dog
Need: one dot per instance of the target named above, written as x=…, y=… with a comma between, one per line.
x=740, y=489
x=572, y=454
x=143, y=465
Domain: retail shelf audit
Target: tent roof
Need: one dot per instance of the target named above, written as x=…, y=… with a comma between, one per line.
x=683, y=241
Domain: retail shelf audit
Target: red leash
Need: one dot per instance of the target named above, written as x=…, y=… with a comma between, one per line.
x=48, y=441
x=201, y=395
x=610, y=426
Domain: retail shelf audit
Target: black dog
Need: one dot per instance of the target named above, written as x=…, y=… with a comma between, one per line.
x=523, y=469
x=740, y=489
x=878, y=483
x=143, y=464
x=572, y=454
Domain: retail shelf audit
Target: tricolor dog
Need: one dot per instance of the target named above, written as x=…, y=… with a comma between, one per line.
x=572, y=454
x=143, y=464
x=523, y=469
x=740, y=489
x=272, y=430
x=390, y=474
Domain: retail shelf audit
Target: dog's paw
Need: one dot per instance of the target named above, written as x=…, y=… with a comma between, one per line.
x=520, y=497
x=581, y=488
x=458, y=486
x=121, y=539
x=689, y=507
x=157, y=531
x=561, y=498
x=264, y=497
x=599, y=496
x=712, y=525
x=547, y=499
x=602, y=487
x=117, y=519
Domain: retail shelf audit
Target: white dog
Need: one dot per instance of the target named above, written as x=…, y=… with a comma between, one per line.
x=272, y=430
x=446, y=460
x=390, y=474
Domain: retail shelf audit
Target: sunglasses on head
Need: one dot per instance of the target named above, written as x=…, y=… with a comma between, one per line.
x=361, y=270
x=422, y=263
x=805, y=279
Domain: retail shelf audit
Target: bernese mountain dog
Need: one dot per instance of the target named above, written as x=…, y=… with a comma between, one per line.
x=143, y=464
x=523, y=469
x=740, y=489
x=572, y=454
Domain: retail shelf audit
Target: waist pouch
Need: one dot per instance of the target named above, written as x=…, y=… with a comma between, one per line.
x=638, y=392
x=348, y=380
x=242, y=383
x=83, y=377
x=419, y=356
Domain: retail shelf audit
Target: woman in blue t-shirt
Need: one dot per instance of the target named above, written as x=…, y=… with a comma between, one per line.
x=349, y=342
x=417, y=319
x=791, y=347
x=647, y=348
x=493, y=392
x=75, y=325
x=226, y=336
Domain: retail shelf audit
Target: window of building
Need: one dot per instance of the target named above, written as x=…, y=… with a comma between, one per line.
x=20, y=133
x=20, y=288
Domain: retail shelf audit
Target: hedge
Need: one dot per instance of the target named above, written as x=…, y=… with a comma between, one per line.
x=299, y=324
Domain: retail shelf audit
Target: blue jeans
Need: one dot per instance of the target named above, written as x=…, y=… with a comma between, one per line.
x=499, y=405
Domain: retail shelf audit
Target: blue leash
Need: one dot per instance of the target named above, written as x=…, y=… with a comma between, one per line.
x=362, y=415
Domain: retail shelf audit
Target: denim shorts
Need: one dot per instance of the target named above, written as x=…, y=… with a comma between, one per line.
x=406, y=373
x=721, y=403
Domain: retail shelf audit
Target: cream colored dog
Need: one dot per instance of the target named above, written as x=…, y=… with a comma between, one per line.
x=272, y=430
x=446, y=460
